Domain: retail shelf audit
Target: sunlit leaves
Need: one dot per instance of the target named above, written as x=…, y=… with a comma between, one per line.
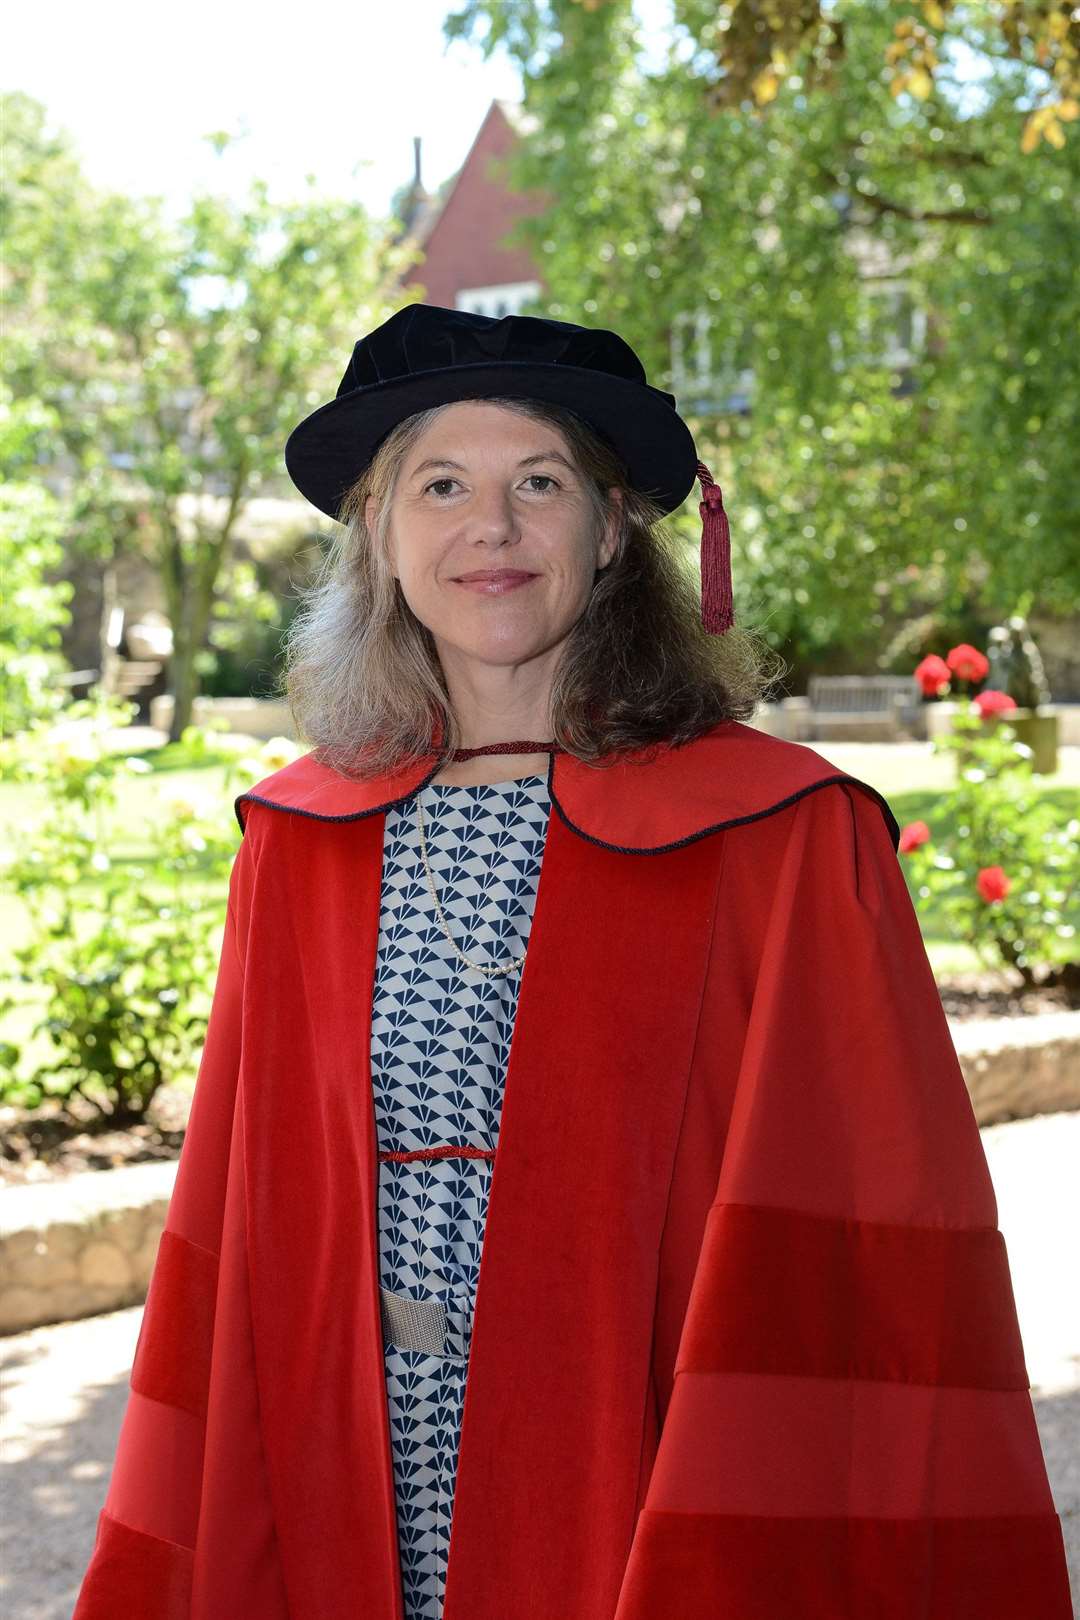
x=757, y=48
x=1045, y=124
x=866, y=499
x=176, y=354
x=913, y=57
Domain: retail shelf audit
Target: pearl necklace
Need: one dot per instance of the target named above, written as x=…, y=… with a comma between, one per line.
x=467, y=753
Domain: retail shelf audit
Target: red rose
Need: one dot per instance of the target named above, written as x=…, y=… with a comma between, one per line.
x=967, y=663
x=992, y=883
x=932, y=675
x=914, y=834
x=991, y=702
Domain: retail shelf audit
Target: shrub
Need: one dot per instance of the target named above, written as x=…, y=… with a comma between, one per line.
x=1000, y=864
x=124, y=949
x=33, y=608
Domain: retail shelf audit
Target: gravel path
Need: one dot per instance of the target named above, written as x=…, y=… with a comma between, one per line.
x=64, y=1387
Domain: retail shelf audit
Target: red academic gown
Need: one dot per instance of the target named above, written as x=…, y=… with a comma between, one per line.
x=745, y=1343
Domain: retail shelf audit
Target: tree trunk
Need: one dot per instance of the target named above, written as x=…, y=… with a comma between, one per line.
x=189, y=594
x=183, y=680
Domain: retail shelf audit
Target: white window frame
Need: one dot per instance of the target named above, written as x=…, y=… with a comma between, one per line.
x=706, y=386
x=894, y=356
x=497, y=300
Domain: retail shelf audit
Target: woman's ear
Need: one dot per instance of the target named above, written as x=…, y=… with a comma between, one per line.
x=610, y=542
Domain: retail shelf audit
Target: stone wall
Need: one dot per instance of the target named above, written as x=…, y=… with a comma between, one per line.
x=87, y=1244
x=74, y=1247
x=250, y=717
x=1017, y=1067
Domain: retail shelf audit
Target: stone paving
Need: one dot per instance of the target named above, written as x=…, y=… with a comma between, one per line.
x=64, y=1387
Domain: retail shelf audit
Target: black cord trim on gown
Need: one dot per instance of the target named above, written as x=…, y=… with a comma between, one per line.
x=621, y=849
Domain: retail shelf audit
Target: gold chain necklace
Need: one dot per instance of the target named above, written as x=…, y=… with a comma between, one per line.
x=467, y=753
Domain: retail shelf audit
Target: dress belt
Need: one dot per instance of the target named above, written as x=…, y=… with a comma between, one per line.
x=430, y=1325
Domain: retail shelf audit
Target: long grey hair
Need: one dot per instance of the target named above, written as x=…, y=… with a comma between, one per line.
x=362, y=675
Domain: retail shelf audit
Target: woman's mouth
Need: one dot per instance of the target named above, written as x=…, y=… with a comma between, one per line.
x=495, y=581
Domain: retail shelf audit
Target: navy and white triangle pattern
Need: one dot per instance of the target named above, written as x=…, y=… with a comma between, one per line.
x=440, y=1041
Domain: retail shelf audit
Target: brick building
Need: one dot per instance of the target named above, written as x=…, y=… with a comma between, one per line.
x=467, y=263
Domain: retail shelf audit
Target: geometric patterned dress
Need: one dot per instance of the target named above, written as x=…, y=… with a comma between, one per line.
x=440, y=1041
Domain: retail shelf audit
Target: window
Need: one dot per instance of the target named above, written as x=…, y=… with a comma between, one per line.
x=709, y=377
x=506, y=299
x=891, y=329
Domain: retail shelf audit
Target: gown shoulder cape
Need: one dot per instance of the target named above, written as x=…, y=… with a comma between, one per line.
x=745, y=1343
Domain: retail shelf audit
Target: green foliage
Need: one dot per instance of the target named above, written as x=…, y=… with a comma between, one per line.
x=121, y=952
x=244, y=656
x=994, y=833
x=176, y=355
x=763, y=164
x=33, y=609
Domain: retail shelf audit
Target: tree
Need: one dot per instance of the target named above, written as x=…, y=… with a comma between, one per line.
x=33, y=608
x=772, y=168
x=176, y=356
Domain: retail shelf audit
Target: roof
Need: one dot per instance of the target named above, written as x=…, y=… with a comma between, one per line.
x=462, y=234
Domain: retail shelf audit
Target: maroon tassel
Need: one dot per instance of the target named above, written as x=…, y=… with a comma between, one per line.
x=717, y=601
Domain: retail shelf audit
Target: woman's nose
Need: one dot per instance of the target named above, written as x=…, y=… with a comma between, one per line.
x=491, y=511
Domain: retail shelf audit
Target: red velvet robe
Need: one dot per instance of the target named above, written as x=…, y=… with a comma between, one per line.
x=745, y=1343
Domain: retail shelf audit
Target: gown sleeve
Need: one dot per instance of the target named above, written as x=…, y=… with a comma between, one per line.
x=189, y=1440
x=850, y=1433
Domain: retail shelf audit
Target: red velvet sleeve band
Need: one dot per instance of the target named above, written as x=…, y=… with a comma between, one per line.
x=850, y=1298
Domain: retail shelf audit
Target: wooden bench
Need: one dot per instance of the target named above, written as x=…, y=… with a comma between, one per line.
x=868, y=707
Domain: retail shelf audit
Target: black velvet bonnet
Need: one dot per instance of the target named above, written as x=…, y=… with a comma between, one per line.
x=425, y=355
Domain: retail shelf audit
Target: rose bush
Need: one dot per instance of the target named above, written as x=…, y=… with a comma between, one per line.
x=964, y=663
x=1000, y=864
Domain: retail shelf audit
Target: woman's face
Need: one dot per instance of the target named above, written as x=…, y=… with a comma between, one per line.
x=485, y=488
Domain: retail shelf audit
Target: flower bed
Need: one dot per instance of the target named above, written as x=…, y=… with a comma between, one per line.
x=41, y=1144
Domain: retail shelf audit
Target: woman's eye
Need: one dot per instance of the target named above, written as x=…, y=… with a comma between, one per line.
x=544, y=478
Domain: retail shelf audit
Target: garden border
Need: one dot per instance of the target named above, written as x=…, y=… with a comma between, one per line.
x=86, y=1244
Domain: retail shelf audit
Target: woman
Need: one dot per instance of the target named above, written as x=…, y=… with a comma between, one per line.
x=581, y=1215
